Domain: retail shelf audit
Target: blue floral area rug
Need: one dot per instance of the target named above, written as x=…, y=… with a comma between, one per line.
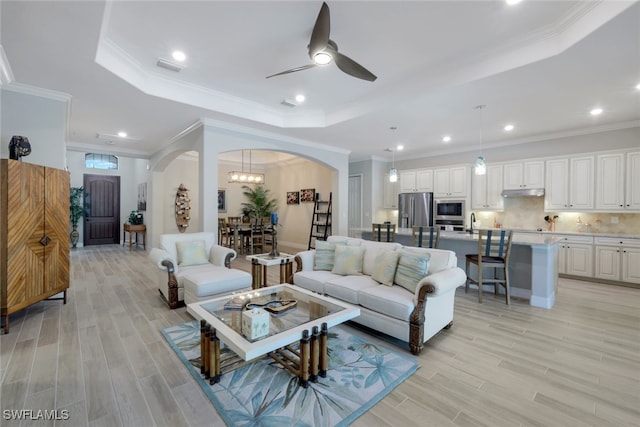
x=264, y=393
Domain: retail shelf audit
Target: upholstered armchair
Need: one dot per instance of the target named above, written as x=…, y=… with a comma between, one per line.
x=195, y=268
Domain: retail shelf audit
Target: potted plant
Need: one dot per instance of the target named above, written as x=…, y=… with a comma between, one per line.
x=76, y=210
x=135, y=218
x=259, y=204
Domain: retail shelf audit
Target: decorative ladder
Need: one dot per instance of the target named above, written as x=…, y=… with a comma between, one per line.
x=320, y=221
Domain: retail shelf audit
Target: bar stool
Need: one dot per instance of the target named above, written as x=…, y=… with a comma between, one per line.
x=429, y=239
x=383, y=233
x=494, y=247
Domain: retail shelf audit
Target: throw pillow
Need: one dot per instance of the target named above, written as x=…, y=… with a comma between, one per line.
x=191, y=253
x=325, y=253
x=348, y=260
x=411, y=268
x=385, y=267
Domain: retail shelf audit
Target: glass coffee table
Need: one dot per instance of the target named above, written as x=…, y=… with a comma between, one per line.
x=306, y=323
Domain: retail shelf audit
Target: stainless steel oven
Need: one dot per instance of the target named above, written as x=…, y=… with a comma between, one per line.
x=449, y=214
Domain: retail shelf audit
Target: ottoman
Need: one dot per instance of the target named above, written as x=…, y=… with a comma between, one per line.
x=202, y=285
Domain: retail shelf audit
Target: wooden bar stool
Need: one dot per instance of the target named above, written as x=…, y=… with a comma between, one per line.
x=425, y=236
x=494, y=247
x=383, y=233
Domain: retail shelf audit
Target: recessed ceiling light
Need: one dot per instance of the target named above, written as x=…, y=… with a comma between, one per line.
x=512, y=2
x=596, y=111
x=400, y=147
x=179, y=55
x=446, y=138
x=300, y=97
x=509, y=128
x=638, y=86
x=122, y=134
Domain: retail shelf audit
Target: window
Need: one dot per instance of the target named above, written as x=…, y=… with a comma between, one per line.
x=100, y=161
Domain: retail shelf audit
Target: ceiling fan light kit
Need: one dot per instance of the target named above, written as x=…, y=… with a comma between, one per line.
x=323, y=50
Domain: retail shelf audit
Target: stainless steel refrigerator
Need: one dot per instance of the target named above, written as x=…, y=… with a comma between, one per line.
x=415, y=209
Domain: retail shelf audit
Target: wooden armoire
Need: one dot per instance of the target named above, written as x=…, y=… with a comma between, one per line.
x=34, y=235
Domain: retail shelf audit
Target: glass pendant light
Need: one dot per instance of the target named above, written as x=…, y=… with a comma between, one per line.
x=480, y=168
x=393, y=172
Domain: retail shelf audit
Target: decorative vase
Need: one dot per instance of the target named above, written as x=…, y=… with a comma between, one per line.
x=74, y=236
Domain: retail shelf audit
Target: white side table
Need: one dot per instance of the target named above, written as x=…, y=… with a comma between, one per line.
x=260, y=262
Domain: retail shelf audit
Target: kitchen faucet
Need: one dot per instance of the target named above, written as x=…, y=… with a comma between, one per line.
x=473, y=219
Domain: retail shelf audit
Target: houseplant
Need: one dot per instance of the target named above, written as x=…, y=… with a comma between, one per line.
x=258, y=204
x=76, y=210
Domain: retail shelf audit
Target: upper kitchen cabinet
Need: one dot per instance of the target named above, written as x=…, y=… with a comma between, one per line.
x=416, y=181
x=569, y=183
x=523, y=175
x=451, y=182
x=390, y=193
x=618, y=181
x=486, y=189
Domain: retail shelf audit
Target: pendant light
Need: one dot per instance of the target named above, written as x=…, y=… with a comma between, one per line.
x=243, y=177
x=393, y=172
x=480, y=168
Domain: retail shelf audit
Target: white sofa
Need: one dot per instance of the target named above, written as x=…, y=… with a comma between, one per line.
x=192, y=283
x=411, y=317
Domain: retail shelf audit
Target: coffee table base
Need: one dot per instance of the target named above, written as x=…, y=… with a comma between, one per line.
x=308, y=362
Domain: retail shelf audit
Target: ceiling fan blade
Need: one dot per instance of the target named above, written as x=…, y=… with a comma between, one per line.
x=352, y=68
x=321, y=29
x=293, y=70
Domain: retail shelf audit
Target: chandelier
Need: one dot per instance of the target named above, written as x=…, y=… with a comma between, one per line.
x=245, y=177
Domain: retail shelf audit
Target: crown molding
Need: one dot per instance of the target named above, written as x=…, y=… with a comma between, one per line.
x=37, y=91
x=244, y=130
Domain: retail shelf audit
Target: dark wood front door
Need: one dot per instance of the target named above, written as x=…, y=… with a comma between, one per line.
x=102, y=209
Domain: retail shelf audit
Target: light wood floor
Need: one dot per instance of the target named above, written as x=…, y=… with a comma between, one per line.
x=102, y=358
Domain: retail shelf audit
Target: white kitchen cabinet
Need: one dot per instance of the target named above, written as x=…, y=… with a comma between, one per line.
x=576, y=256
x=610, y=180
x=523, y=175
x=451, y=182
x=416, y=181
x=486, y=190
x=617, y=259
x=569, y=184
x=632, y=193
x=390, y=192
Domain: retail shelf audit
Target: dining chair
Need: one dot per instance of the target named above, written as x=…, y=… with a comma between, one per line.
x=383, y=233
x=256, y=236
x=223, y=231
x=425, y=236
x=494, y=247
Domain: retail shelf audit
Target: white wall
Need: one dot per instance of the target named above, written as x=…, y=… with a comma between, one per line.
x=41, y=119
x=183, y=170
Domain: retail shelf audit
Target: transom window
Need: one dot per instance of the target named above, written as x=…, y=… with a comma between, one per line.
x=100, y=161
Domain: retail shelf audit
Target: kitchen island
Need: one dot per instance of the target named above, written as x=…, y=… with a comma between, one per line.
x=533, y=263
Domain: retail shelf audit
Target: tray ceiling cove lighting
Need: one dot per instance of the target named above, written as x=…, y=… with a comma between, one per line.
x=245, y=177
x=480, y=167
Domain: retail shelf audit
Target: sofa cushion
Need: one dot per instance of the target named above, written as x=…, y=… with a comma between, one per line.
x=191, y=252
x=440, y=259
x=412, y=267
x=347, y=288
x=218, y=280
x=385, y=266
x=393, y=301
x=348, y=260
x=313, y=280
x=371, y=252
x=168, y=241
x=325, y=254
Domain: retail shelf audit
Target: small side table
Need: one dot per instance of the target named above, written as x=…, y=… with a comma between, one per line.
x=134, y=230
x=259, y=264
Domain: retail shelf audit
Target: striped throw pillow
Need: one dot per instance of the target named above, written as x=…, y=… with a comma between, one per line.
x=411, y=269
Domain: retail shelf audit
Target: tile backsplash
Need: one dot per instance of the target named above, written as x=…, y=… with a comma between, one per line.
x=528, y=213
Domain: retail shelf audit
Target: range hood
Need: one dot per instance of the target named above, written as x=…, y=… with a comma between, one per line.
x=524, y=192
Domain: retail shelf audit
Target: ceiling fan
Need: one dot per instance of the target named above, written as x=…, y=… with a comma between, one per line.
x=323, y=50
